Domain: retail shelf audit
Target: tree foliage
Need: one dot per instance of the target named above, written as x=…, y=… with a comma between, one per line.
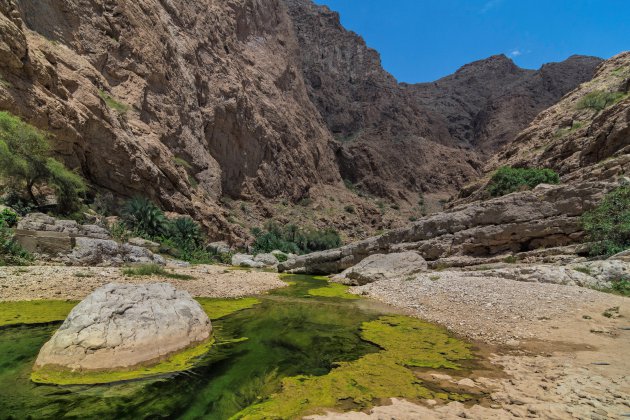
x=508, y=180
x=608, y=225
x=25, y=163
x=292, y=239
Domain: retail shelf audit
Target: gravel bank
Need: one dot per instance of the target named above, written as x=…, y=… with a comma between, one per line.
x=563, y=358
x=74, y=283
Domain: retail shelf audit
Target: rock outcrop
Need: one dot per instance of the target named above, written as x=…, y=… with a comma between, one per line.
x=547, y=216
x=72, y=243
x=120, y=326
x=382, y=266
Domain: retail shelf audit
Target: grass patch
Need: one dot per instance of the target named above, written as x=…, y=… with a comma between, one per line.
x=333, y=290
x=434, y=277
x=83, y=275
x=111, y=102
x=34, y=311
x=154, y=270
x=511, y=259
x=406, y=343
x=181, y=162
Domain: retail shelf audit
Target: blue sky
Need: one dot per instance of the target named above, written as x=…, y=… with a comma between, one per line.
x=423, y=40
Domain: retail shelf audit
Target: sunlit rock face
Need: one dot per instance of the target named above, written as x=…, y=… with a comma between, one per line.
x=120, y=326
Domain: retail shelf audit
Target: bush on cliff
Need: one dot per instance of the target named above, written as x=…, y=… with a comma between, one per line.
x=508, y=180
x=292, y=239
x=608, y=225
x=25, y=164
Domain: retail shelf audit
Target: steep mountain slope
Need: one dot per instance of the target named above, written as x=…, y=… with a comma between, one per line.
x=210, y=97
x=585, y=136
x=397, y=138
x=198, y=104
x=486, y=103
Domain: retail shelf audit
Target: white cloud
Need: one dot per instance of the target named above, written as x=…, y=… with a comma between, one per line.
x=515, y=53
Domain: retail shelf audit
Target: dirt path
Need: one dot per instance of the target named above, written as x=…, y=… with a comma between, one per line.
x=74, y=283
x=563, y=357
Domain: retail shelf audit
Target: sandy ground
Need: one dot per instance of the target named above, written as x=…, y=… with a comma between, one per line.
x=74, y=283
x=562, y=358
x=550, y=351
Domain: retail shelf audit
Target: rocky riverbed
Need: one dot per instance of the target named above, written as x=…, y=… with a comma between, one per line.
x=75, y=283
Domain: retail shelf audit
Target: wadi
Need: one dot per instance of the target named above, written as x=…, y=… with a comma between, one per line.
x=231, y=210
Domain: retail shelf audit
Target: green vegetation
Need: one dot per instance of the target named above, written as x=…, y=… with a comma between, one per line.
x=510, y=259
x=34, y=311
x=218, y=308
x=181, y=162
x=292, y=239
x=177, y=362
x=8, y=217
x=600, y=100
x=112, y=102
x=154, y=270
x=621, y=286
x=25, y=164
x=182, y=236
x=405, y=343
x=608, y=225
x=349, y=209
x=333, y=290
x=144, y=217
x=11, y=253
x=508, y=180
x=584, y=270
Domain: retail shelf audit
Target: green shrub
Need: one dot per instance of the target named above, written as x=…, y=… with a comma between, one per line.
x=8, y=217
x=599, y=100
x=621, y=286
x=111, y=102
x=349, y=209
x=186, y=233
x=508, y=180
x=144, y=217
x=608, y=225
x=11, y=253
x=292, y=239
x=25, y=163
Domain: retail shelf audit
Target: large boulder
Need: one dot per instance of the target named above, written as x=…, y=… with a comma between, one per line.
x=269, y=260
x=383, y=266
x=246, y=260
x=120, y=326
x=100, y=252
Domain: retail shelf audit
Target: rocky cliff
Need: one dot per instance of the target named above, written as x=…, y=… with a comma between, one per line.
x=585, y=136
x=196, y=103
x=391, y=138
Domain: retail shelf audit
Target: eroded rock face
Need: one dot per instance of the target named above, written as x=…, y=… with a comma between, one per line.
x=382, y=266
x=121, y=326
x=546, y=217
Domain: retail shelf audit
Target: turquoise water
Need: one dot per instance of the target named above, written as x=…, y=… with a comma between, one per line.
x=289, y=333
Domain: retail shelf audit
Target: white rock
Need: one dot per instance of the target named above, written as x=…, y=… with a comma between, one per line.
x=124, y=325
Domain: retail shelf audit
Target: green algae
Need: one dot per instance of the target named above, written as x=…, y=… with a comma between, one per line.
x=177, y=362
x=405, y=343
x=34, y=311
x=288, y=347
x=218, y=308
x=333, y=290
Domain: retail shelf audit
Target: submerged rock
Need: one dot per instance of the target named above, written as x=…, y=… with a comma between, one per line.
x=383, y=266
x=120, y=326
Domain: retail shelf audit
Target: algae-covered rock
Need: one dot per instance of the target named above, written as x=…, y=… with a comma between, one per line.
x=120, y=326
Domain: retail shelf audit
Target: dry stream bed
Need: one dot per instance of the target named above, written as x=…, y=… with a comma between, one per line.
x=543, y=351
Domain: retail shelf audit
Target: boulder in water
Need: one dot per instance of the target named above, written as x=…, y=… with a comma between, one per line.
x=120, y=326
